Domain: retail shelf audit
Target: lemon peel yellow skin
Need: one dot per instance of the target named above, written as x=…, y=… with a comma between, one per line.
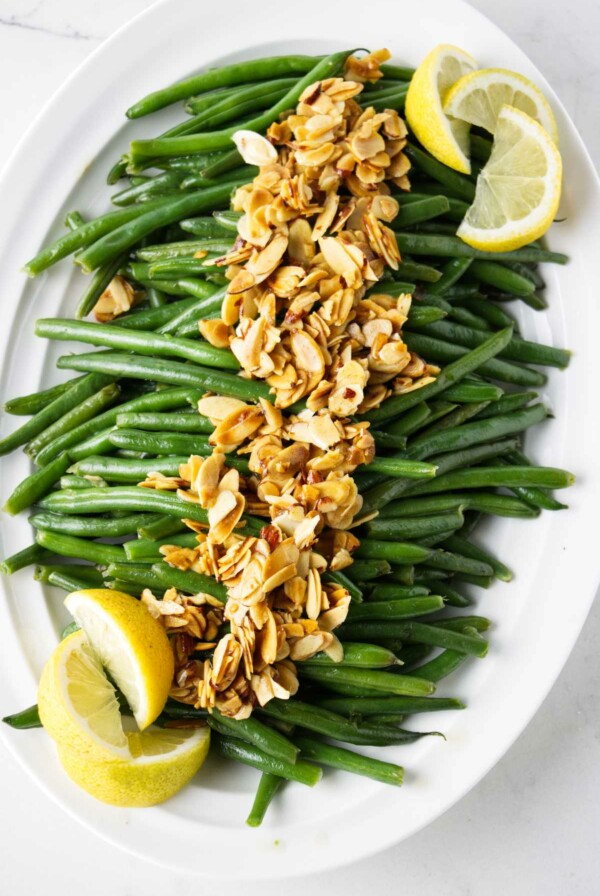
x=479, y=96
x=518, y=191
x=142, y=780
x=445, y=138
x=131, y=644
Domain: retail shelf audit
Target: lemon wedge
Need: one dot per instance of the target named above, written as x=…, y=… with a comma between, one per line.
x=161, y=763
x=518, y=190
x=130, y=644
x=446, y=138
x=77, y=703
x=478, y=97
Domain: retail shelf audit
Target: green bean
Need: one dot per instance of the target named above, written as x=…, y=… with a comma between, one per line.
x=73, y=220
x=410, y=632
x=141, y=342
x=68, y=581
x=476, y=432
x=238, y=750
x=424, y=314
x=176, y=268
x=207, y=101
x=256, y=733
x=225, y=76
x=87, y=234
x=394, y=100
x=534, y=496
x=514, y=401
x=454, y=247
x=88, y=409
x=473, y=393
x=28, y=556
x=468, y=549
x=458, y=185
x=449, y=352
x=164, y=399
x=268, y=787
x=384, y=591
x=79, y=389
x=162, y=183
x=161, y=527
x=411, y=269
x=99, y=282
x=27, y=718
x=188, y=581
x=379, y=495
x=451, y=273
x=370, y=679
x=410, y=421
x=374, y=706
x=452, y=597
x=450, y=375
x=153, y=318
x=160, y=442
x=37, y=401
x=72, y=481
x=502, y=278
x=422, y=210
x=486, y=502
x=126, y=470
x=414, y=527
x=87, y=574
x=96, y=527
x=174, y=373
x=397, y=72
x=361, y=656
x=387, y=440
x=454, y=562
x=38, y=484
x=207, y=228
x=517, y=349
x=403, y=575
x=191, y=422
x=454, y=419
x=155, y=214
x=147, y=550
x=325, y=722
x=132, y=498
x=499, y=477
x=486, y=310
x=348, y=761
x=186, y=322
x=135, y=575
x=80, y=548
x=399, y=467
x=367, y=570
x=441, y=666
x=185, y=249
x=393, y=552
x=396, y=609
x=168, y=146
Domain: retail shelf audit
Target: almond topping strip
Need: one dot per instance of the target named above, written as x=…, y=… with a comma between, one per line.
x=302, y=313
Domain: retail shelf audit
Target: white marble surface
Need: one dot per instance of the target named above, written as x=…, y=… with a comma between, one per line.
x=531, y=826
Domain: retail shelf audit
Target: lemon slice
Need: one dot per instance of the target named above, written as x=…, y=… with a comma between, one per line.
x=446, y=138
x=518, y=191
x=161, y=762
x=479, y=96
x=130, y=644
x=77, y=703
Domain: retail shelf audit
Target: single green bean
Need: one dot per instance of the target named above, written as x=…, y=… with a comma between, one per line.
x=80, y=548
x=454, y=247
x=267, y=789
x=86, y=527
x=26, y=405
x=238, y=750
x=414, y=527
x=396, y=609
x=419, y=632
x=38, y=484
x=459, y=186
x=485, y=502
x=27, y=557
x=88, y=409
x=371, y=679
x=367, y=570
x=348, y=761
x=174, y=373
x=79, y=389
x=373, y=706
x=498, y=477
x=27, y=718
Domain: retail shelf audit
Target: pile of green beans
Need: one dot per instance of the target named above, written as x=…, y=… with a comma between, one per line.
x=447, y=453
